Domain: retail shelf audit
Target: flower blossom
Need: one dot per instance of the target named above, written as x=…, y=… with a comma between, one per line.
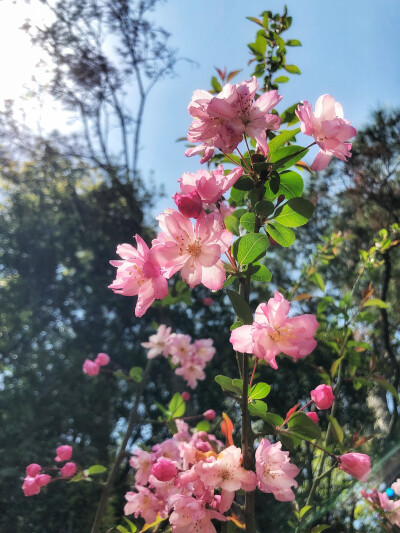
x=158, y=343
x=91, y=368
x=64, y=453
x=221, y=121
x=33, y=484
x=312, y=415
x=195, y=251
x=102, y=359
x=137, y=274
x=210, y=186
x=68, y=470
x=143, y=503
x=322, y=396
x=189, y=204
x=275, y=472
x=273, y=333
x=329, y=129
x=357, y=465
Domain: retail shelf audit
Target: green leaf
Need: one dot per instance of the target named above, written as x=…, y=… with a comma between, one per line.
x=244, y=183
x=296, y=212
x=229, y=280
x=216, y=85
x=382, y=382
x=335, y=366
x=241, y=307
x=132, y=526
x=304, y=510
x=260, y=273
x=177, y=405
x=292, y=69
x=136, y=373
x=287, y=156
x=226, y=384
x=232, y=224
x=324, y=303
x=237, y=196
x=291, y=184
x=319, y=529
x=122, y=529
x=274, y=182
x=264, y=208
x=289, y=116
x=337, y=430
x=318, y=281
x=289, y=441
x=250, y=247
x=259, y=391
x=235, y=325
x=257, y=21
x=203, y=425
x=273, y=420
x=293, y=42
x=376, y=302
x=280, y=79
x=300, y=424
x=282, y=139
x=283, y=236
x=258, y=408
x=162, y=408
x=96, y=469
x=248, y=222
x=238, y=213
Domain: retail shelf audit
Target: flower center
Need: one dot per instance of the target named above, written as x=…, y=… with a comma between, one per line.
x=194, y=248
x=281, y=334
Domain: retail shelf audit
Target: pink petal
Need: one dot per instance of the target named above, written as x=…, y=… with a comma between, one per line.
x=241, y=339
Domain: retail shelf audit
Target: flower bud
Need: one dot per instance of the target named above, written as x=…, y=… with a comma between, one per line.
x=68, y=470
x=63, y=453
x=186, y=396
x=91, y=368
x=33, y=470
x=207, y=301
x=322, y=396
x=313, y=416
x=190, y=204
x=210, y=414
x=102, y=359
x=357, y=465
x=43, y=479
x=164, y=469
x=31, y=486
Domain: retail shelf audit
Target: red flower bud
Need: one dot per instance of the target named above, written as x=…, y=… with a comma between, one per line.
x=190, y=204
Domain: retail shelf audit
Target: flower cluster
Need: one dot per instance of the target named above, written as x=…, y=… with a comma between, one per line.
x=35, y=479
x=191, y=479
x=382, y=501
x=92, y=368
x=273, y=332
x=191, y=358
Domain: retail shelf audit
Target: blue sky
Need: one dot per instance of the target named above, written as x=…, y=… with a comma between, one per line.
x=349, y=50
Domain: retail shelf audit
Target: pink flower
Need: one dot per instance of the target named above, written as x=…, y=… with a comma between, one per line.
x=186, y=395
x=275, y=472
x=357, y=465
x=68, y=470
x=207, y=301
x=143, y=503
x=210, y=414
x=225, y=209
x=158, y=343
x=313, y=416
x=191, y=371
x=204, y=349
x=91, y=368
x=33, y=484
x=209, y=185
x=222, y=120
x=33, y=470
x=142, y=461
x=63, y=453
x=322, y=396
x=191, y=516
x=329, y=129
x=43, y=479
x=396, y=487
x=102, y=359
x=180, y=348
x=137, y=274
x=189, y=204
x=273, y=333
x=164, y=469
x=226, y=472
x=196, y=251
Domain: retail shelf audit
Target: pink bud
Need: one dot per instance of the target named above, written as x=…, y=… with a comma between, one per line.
x=210, y=414
x=357, y=465
x=208, y=301
x=102, y=359
x=164, y=469
x=68, y=470
x=314, y=417
x=322, y=396
x=31, y=486
x=186, y=396
x=33, y=470
x=190, y=204
x=63, y=453
x=91, y=368
x=43, y=479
